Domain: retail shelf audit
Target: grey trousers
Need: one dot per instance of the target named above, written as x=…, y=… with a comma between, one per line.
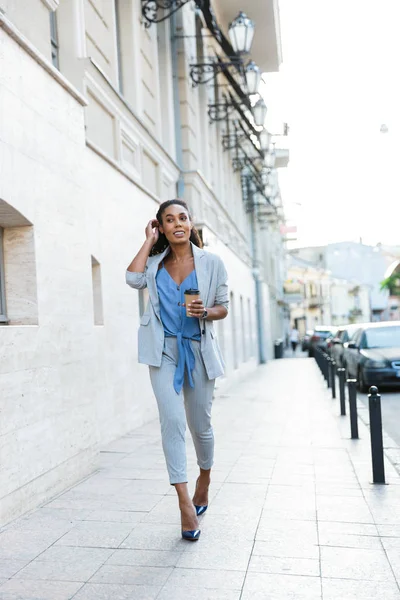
x=193, y=404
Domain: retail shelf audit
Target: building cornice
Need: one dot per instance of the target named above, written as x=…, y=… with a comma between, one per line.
x=52, y=5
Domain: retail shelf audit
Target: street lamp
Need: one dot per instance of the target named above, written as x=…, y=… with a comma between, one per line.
x=241, y=32
x=260, y=112
x=253, y=77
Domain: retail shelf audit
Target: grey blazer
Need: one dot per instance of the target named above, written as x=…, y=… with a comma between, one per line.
x=212, y=282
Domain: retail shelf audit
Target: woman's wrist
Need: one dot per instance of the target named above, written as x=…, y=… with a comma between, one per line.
x=216, y=313
x=148, y=243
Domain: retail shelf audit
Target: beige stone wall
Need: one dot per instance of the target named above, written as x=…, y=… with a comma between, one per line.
x=20, y=275
x=78, y=185
x=66, y=384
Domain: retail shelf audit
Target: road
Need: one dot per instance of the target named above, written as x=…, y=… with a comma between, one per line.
x=390, y=403
x=390, y=412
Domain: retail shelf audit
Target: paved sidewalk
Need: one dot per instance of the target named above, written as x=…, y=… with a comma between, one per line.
x=293, y=514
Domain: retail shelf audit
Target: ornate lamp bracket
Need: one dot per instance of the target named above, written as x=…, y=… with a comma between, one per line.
x=219, y=112
x=151, y=8
x=202, y=73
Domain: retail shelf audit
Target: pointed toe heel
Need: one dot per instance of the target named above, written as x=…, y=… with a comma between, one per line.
x=200, y=510
x=191, y=536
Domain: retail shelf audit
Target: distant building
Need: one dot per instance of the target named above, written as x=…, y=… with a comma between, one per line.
x=315, y=297
x=355, y=262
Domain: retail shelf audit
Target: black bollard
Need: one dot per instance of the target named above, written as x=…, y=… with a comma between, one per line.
x=325, y=364
x=352, y=386
x=322, y=361
x=333, y=378
x=316, y=356
x=375, y=428
x=342, y=380
x=328, y=371
x=319, y=355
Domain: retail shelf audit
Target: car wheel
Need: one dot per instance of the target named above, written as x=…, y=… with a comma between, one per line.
x=361, y=383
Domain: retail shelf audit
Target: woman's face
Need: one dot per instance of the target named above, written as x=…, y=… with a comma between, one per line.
x=176, y=225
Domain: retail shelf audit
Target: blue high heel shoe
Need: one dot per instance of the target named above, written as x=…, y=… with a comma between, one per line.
x=191, y=536
x=200, y=510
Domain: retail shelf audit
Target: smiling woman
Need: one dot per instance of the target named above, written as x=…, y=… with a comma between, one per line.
x=167, y=225
x=179, y=344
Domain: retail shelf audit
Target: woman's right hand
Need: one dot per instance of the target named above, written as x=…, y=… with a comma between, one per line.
x=151, y=231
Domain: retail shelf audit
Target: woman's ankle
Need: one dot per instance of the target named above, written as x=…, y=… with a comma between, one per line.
x=185, y=504
x=204, y=477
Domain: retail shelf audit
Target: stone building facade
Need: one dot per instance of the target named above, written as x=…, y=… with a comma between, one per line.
x=99, y=123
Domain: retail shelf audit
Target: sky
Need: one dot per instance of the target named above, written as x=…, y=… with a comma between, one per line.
x=337, y=84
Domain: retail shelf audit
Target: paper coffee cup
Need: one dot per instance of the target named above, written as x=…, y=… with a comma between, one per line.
x=190, y=295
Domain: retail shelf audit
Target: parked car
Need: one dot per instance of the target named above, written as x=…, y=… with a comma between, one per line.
x=305, y=342
x=372, y=355
x=342, y=335
x=329, y=342
x=320, y=336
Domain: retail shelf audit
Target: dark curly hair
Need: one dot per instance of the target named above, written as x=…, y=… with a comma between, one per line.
x=162, y=242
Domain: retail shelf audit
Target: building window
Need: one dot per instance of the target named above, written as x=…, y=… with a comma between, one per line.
x=97, y=293
x=250, y=332
x=243, y=327
x=232, y=316
x=118, y=30
x=3, y=316
x=54, y=40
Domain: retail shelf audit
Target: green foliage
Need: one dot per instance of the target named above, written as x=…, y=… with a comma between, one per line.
x=392, y=283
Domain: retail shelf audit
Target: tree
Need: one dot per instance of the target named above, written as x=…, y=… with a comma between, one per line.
x=392, y=284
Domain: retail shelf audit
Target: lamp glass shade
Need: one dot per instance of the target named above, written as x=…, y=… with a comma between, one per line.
x=259, y=112
x=241, y=32
x=253, y=77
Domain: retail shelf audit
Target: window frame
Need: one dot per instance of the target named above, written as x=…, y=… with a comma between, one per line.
x=118, y=41
x=3, y=308
x=55, y=46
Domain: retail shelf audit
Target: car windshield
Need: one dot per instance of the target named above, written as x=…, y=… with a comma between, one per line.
x=323, y=334
x=351, y=330
x=383, y=337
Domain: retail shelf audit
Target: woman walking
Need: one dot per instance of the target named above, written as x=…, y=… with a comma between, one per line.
x=177, y=341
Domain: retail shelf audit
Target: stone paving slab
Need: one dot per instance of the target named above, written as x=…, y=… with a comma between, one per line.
x=293, y=513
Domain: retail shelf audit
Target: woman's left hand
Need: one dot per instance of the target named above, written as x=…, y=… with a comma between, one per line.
x=196, y=308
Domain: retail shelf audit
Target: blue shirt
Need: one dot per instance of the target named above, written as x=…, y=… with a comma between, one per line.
x=176, y=323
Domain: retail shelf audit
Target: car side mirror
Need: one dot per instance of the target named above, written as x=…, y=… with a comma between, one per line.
x=336, y=341
x=352, y=345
